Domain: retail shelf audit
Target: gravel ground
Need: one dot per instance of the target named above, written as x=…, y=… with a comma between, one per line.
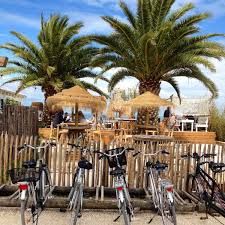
x=54, y=217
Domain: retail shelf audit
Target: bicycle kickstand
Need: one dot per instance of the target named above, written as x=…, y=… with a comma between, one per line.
x=152, y=218
x=206, y=211
x=117, y=218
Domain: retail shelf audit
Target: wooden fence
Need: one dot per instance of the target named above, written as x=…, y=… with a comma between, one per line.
x=19, y=120
x=62, y=161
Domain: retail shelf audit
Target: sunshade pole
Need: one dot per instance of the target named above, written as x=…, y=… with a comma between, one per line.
x=76, y=114
x=96, y=120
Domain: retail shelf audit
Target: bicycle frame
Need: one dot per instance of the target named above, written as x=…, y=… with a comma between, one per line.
x=29, y=186
x=211, y=184
x=77, y=186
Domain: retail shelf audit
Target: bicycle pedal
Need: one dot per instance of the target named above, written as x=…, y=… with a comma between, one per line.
x=50, y=197
x=79, y=215
x=62, y=210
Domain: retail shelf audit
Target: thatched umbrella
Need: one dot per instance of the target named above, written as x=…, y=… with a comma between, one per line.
x=117, y=105
x=148, y=100
x=76, y=97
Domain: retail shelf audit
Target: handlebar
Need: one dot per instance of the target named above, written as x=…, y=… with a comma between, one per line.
x=103, y=154
x=74, y=145
x=35, y=147
x=195, y=155
x=151, y=154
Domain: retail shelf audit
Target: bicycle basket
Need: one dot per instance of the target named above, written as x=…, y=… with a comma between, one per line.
x=121, y=158
x=24, y=174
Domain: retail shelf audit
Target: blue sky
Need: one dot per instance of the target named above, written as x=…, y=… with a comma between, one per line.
x=24, y=16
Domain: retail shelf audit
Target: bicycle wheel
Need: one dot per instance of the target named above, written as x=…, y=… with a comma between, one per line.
x=44, y=186
x=195, y=187
x=76, y=207
x=129, y=206
x=23, y=210
x=126, y=216
x=168, y=210
x=151, y=186
x=74, y=186
x=219, y=199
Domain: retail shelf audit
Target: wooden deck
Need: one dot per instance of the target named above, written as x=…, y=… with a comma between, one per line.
x=196, y=137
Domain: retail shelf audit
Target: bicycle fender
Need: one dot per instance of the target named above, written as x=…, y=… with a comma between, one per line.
x=121, y=196
x=23, y=195
x=170, y=196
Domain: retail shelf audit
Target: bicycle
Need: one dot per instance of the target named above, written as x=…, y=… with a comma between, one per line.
x=75, y=197
x=34, y=182
x=116, y=160
x=161, y=190
x=203, y=186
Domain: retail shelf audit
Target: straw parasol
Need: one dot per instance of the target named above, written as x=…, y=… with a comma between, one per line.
x=117, y=105
x=101, y=103
x=147, y=100
x=76, y=97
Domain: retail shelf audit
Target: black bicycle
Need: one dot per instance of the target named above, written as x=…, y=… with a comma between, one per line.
x=203, y=186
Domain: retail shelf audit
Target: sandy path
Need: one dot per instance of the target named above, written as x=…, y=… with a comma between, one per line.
x=54, y=217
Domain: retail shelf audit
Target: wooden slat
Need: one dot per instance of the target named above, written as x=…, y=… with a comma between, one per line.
x=1, y=157
x=60, y=164
x=6, y=157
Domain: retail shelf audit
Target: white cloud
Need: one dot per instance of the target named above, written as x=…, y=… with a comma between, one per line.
x=93, y=23
x=216, y=7
x=102, y=3
x=11, y=18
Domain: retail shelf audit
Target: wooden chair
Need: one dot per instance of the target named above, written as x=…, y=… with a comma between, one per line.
x=151, y=132
x=53, y=132
x=62, y=132
x=202, y=123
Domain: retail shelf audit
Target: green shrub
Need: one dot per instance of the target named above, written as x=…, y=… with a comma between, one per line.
x=217, y=123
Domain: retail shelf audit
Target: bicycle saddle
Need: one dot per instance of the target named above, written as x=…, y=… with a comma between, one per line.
x=217, y=167
x=117, y=172
x=160, y=166
x=29, y=164
x=149, y=164
x=85, y=164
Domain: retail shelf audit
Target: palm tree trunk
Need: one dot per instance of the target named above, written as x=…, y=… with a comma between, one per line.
x=49, y=91
x=148, y=116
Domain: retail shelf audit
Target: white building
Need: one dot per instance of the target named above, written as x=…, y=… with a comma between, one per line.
x=192, y=106
x=5, y=94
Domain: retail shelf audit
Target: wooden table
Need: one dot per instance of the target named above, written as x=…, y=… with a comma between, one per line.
x=72, y=130
x=143, y=128
x=152, y=138
x=105, y=136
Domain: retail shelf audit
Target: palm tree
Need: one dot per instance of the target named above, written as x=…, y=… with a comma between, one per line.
x=60, y=60
x=158, y=44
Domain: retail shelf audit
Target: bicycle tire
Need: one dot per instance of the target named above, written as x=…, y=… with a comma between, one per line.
x=219, y=199
x=168, y=211
x=195, y=187
x=76, y=208
x=152, y=189
x=23, y=209
x=126, y=217
x=74, y=186
x=44, y=186
x=129, y=206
